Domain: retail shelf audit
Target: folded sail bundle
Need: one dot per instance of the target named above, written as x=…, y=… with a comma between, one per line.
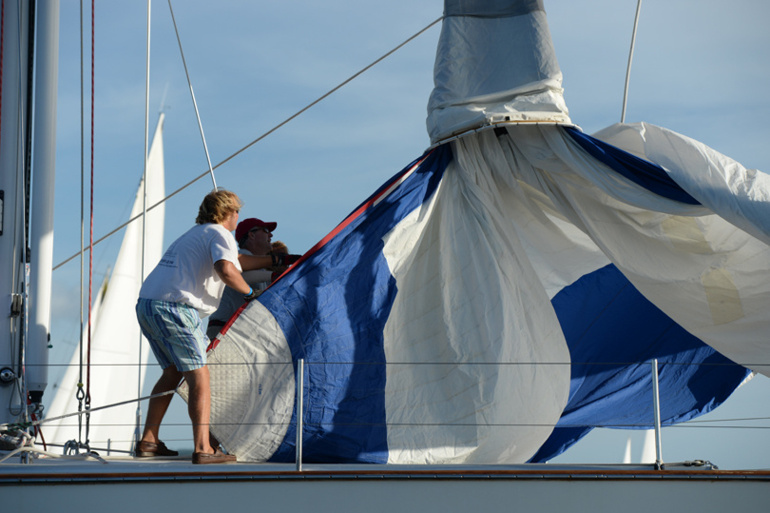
x=505, y=293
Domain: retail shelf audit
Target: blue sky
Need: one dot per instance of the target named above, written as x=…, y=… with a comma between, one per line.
x=700, y=68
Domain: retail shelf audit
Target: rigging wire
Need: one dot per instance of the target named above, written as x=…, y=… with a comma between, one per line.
x=195, y=104
x=138, y=423
x=91, y=231
x=264, y=135
x=630, y=58
x=80, y=393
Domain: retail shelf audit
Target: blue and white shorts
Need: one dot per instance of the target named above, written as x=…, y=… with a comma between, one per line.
x=175, y=332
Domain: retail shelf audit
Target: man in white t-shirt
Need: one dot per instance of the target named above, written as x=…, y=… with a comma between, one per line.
x=186, y=285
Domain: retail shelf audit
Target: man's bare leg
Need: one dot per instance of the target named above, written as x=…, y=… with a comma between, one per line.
x=199, y=407
x=158, y=406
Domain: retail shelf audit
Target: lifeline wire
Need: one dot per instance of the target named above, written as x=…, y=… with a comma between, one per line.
x=252, y=143
x=79, y=413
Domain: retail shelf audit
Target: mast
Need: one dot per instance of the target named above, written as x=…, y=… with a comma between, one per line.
x=22, y=351
x=41, y=225
x=15, y=56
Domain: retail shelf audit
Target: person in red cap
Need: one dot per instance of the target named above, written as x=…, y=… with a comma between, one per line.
x=254, y=238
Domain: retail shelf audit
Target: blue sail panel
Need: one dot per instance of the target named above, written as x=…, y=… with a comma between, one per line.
x=614, y=333
x=333, y=309
x=642, y=172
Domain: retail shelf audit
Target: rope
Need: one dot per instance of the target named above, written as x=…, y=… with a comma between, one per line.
x=35, y=450
x=91, y=233
x=195, y=104
x=80, y=393
x=264, y=135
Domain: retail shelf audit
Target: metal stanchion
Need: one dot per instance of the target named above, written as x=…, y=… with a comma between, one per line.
x=300, y=410
x=656, y=408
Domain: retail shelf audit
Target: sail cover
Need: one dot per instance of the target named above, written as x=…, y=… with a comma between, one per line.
x=506, y=292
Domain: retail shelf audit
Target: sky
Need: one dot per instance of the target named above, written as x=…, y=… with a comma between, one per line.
x=699, y=68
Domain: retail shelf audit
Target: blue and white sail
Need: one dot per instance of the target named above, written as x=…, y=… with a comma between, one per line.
x=505, y=293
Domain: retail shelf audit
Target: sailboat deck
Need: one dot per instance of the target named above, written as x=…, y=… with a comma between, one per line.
x=128, y=484
x=117, y=468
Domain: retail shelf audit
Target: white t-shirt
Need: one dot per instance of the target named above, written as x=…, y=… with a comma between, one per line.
x=186, y=272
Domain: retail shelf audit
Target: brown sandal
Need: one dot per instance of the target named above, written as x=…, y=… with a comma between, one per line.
x=150, y=450
x=202, y=458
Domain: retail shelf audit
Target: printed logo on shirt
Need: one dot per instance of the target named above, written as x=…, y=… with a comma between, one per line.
x=168, y=261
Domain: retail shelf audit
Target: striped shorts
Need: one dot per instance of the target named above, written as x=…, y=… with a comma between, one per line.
x=175, y=333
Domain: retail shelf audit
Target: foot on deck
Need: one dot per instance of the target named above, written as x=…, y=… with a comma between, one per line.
x=150, y=450
x=203, y=458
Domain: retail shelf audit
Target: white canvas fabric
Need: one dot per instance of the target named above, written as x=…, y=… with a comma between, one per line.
x=481, y=74
x=704, y=272
x=468, y=293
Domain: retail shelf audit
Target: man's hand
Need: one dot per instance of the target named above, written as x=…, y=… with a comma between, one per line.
x=283, y=260
x=252, y=295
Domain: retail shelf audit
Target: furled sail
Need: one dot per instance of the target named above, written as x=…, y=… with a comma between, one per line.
x=506, y=292
x=117, y=364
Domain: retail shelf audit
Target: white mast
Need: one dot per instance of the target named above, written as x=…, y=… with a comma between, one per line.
x=41, y=227
x=13, y=123
x=24, y=328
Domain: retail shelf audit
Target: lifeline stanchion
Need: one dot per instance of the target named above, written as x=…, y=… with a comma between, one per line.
x=656, y=411
x=300, y=410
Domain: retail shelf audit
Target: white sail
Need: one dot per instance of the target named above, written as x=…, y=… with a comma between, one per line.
x=627, y=453
x=118, y=361
x=648, y=447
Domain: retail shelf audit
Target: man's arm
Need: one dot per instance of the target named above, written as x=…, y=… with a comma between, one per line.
x=252, y=262
x=232, y=276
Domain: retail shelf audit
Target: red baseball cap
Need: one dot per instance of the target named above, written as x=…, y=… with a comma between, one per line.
x=245, y=226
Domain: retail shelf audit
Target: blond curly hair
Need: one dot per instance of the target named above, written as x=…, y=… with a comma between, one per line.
x=217, y=205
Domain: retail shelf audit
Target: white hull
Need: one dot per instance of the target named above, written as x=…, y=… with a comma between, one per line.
x=131, y=484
